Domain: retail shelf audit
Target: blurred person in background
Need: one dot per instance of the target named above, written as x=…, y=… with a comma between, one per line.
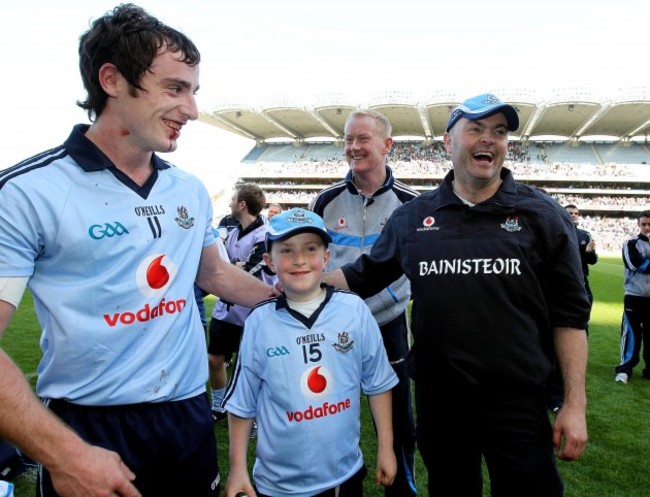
x=273, y=210
x=588, y=256
x=245, y=248
x=636, y=303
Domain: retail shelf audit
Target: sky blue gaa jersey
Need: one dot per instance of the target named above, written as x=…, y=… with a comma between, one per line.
x=303, y=379
x=111, y=269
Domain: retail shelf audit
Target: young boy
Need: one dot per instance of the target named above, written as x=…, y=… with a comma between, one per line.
x=304, y=359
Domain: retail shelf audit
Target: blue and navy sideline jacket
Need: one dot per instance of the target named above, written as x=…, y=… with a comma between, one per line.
x=636, y=259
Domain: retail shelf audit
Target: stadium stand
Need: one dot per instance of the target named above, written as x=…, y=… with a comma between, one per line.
x=581, y=148
x=608, y=194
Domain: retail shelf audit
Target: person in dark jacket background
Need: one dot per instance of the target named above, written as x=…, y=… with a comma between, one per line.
x=588, y=256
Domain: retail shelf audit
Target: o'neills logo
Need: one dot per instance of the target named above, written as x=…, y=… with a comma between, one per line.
x=324, y=410
x=145, y=314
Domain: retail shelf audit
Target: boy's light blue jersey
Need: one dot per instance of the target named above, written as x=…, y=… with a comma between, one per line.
x=303, y=378
x=111, y=267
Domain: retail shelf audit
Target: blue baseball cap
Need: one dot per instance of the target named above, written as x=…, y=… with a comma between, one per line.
x=483, y=106
x=293, y=222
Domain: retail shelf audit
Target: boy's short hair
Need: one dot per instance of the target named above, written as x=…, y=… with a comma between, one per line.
x=292, y=222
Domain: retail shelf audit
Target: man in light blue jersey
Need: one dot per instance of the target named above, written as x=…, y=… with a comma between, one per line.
x=110, y=239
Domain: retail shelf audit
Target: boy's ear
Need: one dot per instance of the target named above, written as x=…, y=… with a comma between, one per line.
x=269, y=262
x=326, y=257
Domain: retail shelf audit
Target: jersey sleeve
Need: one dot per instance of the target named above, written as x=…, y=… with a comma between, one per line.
x=242, y=393
x=561, y=276
x=209, y=236
x=19, y=232
x=377, y=375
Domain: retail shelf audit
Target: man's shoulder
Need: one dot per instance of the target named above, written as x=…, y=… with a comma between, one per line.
x=326, y=195
x=31, y=170
x=404, y=189
x=256, y=235
x=429, y=198
x=334, y=198
x=180, y=173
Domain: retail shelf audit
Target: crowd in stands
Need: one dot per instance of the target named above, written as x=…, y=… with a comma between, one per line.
x=435, y=151
x=610, y=232
x=633, y=204
x=417, y=162
x=423, y=168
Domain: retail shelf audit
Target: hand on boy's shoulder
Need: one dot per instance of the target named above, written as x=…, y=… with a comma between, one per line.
x=276, y=290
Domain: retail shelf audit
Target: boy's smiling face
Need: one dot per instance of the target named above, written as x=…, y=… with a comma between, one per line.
x=299, y=262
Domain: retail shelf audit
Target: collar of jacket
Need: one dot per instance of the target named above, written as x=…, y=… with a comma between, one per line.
x=502, y=201
x=388, y=184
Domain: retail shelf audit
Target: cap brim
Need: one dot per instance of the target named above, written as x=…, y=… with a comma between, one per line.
x=296, y=231
x=506, y=109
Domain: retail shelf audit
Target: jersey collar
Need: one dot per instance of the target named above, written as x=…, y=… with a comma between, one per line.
x=352, y=188
x=90, y=157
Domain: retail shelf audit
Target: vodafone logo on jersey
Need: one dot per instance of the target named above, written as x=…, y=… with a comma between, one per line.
x=154, y=274
x=153, y=277
x=316, y=383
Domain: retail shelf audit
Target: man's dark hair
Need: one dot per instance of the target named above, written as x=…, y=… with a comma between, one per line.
x=645, y=213
x=572, y=206
x=129, y=38
x=253, y=196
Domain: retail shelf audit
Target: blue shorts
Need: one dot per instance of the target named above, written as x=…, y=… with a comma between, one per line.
x=170, y=446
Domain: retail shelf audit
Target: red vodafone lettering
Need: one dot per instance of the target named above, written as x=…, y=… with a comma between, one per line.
x=326, y=409
x=145, y=314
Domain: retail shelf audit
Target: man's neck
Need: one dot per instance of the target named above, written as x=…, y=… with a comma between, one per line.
x=246, y=219
x=370, y=181
x=475, y=194
x=136, y=164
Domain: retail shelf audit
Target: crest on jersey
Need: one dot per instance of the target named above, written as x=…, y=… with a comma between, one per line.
x=344, y=344
x=183, y=219
x=511, y=225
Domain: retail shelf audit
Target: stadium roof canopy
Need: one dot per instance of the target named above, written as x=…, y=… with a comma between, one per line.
x=572, y=114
